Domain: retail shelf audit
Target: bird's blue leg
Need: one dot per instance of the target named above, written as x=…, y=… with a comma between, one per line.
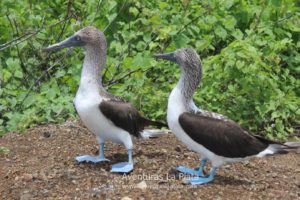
x=101, y=153
x=203, y=180
x=124, y=167
x=93, y=159
x=193, y=172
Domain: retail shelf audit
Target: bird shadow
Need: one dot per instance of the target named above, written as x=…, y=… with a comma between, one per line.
x=118, y=157
x=219, y=179
x=225, y=180
x=121, y=157
x=151, y=155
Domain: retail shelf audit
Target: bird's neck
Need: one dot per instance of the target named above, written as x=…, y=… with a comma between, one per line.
x=94, y=63
x=187, y=84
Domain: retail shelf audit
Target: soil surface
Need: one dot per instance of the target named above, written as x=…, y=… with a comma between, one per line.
x=41, y=165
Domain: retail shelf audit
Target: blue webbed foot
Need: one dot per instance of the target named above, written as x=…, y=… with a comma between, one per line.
x=190, y=171
x=123, y=167
x=193, y=172
x=200, y=180
x=93, y=159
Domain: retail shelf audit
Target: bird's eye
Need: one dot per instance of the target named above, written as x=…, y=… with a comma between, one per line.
x=78, y=38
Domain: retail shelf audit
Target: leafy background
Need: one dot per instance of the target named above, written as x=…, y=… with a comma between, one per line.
x=249, y=49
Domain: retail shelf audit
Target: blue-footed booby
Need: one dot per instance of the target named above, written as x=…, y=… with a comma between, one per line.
x=215, y=137
x=109, y=117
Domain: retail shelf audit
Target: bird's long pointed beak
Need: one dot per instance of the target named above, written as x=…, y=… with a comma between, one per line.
x=69, y=42
x=166, y=56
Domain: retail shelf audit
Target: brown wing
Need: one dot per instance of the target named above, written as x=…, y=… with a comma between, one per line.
x=224, y=138
x=123, y=115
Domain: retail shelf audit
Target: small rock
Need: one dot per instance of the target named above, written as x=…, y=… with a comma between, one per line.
x=26, y=196
x=45, y=191
x=126, y=198
x=27, y=177
x=178, y=149
x=246, y=163
x=42, y=176
x=227, y=167
x=274, y=175
x=47, y=134
x=173, y=173
x=35, y=175
x=142, y=185
x=185, y=181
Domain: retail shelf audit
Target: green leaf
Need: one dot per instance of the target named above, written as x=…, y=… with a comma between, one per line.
x=4, y=150
x=155, y=19
x=181, y=41
x=279, y=126
x=142, y=60
x=13, y=63
x=134, y=11
x=162, y=5
x=276, y=3
x=221, y=32
x=111, y=17
x=6, y=75
x=238, y=34
x=18, y=74
x=60, y=73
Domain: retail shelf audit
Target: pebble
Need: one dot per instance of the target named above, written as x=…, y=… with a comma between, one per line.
x=178, y=149
x=47, y=134
x=42, y=176
x=27, y=177
x=142, y=185
x=126, y=198
x=26, y=196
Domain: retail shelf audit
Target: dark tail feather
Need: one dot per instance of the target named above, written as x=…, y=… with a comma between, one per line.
x=292, y=145
x=278, y=147
x=266, y=141
x=148, y=122
x=286, y=147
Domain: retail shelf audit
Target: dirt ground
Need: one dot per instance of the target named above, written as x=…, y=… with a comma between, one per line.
x=41, y=165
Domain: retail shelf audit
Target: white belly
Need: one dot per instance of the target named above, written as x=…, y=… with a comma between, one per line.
x=87, y=106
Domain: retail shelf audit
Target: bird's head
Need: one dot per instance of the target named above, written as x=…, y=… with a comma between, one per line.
x=187, y=58
x=86, y=37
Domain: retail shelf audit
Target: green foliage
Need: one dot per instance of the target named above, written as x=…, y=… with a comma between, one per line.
x=4, y=150
x=250, y=53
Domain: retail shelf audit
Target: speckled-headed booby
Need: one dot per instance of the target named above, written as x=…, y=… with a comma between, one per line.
x=216, y=138
x=109, y=117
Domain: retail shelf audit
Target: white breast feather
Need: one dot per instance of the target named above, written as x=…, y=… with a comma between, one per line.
x=87, y=103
